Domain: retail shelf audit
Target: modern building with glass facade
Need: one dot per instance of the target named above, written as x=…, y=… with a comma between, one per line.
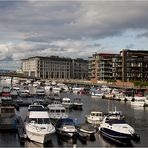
x=128, y=65
x=134, y=65
x=100, y=66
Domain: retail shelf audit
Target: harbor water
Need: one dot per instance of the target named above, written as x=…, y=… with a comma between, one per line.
x=136, y=117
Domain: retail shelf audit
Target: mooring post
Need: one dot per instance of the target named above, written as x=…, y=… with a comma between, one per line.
x=11, y=81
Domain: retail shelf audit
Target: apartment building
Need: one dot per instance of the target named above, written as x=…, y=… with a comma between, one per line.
x=55, y=67
x=117, y=67
x=134, y=65
x=100, y=66
x=80, y=69
x=129, y=65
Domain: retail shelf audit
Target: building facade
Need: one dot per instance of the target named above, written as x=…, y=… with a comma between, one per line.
x=100, y=66
x=55, y=67
x=117, y=67
x=129, y=65
x=134, y=65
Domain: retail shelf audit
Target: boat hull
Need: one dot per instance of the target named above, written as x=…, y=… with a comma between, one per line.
x=38, y=137
x=67, y=134
x=116, y=136
x=91, y=121
x=77, y=106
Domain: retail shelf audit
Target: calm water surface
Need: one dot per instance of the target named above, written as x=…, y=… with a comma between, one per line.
x=136, y=117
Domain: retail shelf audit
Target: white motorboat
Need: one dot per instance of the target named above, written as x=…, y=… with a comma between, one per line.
x=77, y=103
x=115, y=128
x=63, y=87
x=40, y=92
x=115, y=91
x=77, y=90
x=139, y=101
x=108, y=95
x=129, y=98
x=105, y=88
x=120, y=97
x=56, y=89
x=16, y=87
x=14, y=93
x=146, y=101
x=86, y=132
x=67, y=103
x=66, y=127
x=95, y=117
x=38, y=126
x=97, y=94
x=57, y=111
x=24, y=93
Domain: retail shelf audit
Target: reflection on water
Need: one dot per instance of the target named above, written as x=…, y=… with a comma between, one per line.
x=66, y=142
x=29, y=144
x=137, y=107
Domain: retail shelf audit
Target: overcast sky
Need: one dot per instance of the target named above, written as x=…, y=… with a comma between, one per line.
x=70, y=28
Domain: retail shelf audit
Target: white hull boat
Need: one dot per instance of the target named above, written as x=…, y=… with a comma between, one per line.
x=95, y=117
x=139, y=101
x=38, y=126
x=115, y=128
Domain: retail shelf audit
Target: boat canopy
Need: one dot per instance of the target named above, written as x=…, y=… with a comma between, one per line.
x=37, y=108
x=115, y=121
x=66, y=121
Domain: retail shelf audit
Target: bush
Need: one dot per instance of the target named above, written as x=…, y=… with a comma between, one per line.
x=140, y=83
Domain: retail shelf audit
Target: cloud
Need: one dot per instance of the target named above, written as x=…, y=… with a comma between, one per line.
x=66, y=28
x=130, y=46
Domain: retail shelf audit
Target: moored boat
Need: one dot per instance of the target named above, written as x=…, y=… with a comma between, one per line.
x=38, y=125
x=77, y=103
x=86, y=132
x=95, y=117
x=66, y=127
x=138, y=101
x=146, y=101
x=40, y=92
x=57, y=111
x=97, y=94
x=67, y=103
x=115, y=128
x=8, y=117
x=6, y=91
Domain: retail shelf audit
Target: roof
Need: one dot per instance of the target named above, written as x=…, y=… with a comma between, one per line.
x=37, y=108
x=38, y=114
x=49, y=58
x=66, y=99
x=105, y=54
x=96, y=112
x=56, y=107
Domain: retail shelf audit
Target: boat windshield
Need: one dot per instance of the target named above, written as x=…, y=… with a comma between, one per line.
x=63, y=111
x=70, y=123
x=39, y=120
x=115, y=121
x=7, y=110
x=96, y=114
